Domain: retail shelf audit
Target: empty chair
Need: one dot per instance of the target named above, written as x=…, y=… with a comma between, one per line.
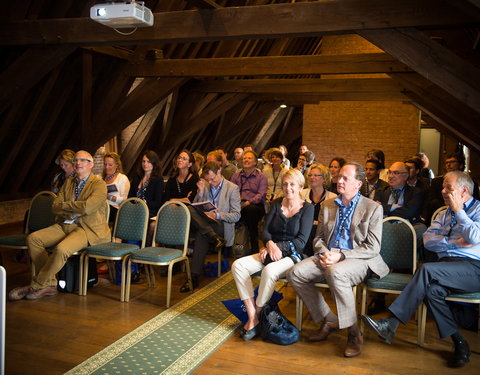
x=171, y=231
x=399, y=251
x=39, y=216
x=129, y=234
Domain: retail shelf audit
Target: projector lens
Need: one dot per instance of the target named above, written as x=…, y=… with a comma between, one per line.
x=101, y=12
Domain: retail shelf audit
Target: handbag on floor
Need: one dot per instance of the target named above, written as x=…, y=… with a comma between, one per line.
x=275, y=327
x=241, y=244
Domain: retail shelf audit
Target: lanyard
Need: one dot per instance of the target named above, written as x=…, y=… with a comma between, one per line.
x=343, y=217
x=453, y=220
x=79, y=185
x=214, y=197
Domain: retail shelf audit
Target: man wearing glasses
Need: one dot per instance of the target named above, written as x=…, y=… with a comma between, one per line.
x=81, y=220
x=454, y=161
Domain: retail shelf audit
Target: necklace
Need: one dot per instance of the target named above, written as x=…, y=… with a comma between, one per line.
x=108, y=178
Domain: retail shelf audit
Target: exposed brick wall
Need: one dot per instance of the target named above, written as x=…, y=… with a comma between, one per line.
x=13, y=211
x=350, y=129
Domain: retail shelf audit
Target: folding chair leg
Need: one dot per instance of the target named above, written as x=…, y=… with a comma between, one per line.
x=83, y=287
x=124, y=272
x=421, y=324
x=298, y=312
x=363, y=308
x=80, y=275
x=128, y=281
x=169, y=283
x=152, y=274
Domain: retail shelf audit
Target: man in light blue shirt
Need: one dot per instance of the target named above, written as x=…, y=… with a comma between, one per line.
x=455, y=237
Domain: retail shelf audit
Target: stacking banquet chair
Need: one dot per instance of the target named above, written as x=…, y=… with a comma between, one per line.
x=40, y=215
x=399, y=251
x=130, y=226
x=454, y=297
x=171, y=231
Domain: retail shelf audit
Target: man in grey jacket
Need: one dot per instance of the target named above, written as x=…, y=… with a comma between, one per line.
x=347, y=250
x=217, y=226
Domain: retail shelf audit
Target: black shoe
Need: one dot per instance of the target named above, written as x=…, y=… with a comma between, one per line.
x=376, y=305
x=186, y=286
x=461, y=355
x=383, y=327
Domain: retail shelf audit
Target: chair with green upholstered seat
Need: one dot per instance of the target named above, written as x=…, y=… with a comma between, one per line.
x=40, y=215
x=171, y=231
x=399, y=251
x=129, y=235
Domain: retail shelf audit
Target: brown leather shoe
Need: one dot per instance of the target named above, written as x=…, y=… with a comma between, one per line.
x=39, y=293
x=324, y=331
x=354, y=346
x=19, y=293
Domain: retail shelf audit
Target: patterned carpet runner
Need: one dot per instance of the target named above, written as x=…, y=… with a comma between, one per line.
x=174, y=342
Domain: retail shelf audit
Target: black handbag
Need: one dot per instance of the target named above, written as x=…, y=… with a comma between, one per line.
x=275, y=327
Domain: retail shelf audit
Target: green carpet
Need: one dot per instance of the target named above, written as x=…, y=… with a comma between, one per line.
x=174, y=342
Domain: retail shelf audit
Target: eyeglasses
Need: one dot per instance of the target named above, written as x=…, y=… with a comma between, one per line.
x=314, y=175
x=82, y=160
x=451, y=161
x=182, y=158
x=396, y=173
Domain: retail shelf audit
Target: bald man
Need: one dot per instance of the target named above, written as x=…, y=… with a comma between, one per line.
x=81, y=221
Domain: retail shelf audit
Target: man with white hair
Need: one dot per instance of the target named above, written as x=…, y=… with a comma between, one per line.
x=81, y=220
x=455, y=237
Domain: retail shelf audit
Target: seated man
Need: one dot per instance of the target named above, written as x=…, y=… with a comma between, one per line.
x=80, y=210
x=454, y=161
x=217, y=227
x=347, y=249
x=400, y=199
x=455, y=237
x=372, y=181
x=253, y=190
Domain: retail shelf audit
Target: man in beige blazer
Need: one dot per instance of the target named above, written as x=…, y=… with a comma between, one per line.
x=81, y=220
x=347, y=250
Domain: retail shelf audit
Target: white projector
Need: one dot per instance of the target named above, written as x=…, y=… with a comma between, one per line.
x=122, y=15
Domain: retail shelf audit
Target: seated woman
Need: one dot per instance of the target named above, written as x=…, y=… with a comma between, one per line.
x=65, y=161
x=274, y=174
x=183, y=184
x=147, y=184
x=335, y=165
x=287, y=228
x=380, y=156
x=118, y=185
x=318, y=179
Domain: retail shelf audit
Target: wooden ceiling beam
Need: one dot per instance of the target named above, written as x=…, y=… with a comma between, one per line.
x=301, y=86
x=446, y=109
x=278, y=65
x=300, y=99
x=145, y=96
x=432, y=60
x=248, y=22
x=28, y=69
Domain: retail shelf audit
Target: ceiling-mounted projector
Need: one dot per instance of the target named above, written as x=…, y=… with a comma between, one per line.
x=122, y=15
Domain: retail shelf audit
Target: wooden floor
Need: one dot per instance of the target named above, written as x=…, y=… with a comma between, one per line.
x=54, y=334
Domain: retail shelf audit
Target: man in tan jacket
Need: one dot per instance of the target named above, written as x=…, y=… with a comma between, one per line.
x=81, y=221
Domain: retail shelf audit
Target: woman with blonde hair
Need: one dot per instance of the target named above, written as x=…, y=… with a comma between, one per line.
x=65, y=161
x=318, y=177
x=286, y=231
x=118, y=185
